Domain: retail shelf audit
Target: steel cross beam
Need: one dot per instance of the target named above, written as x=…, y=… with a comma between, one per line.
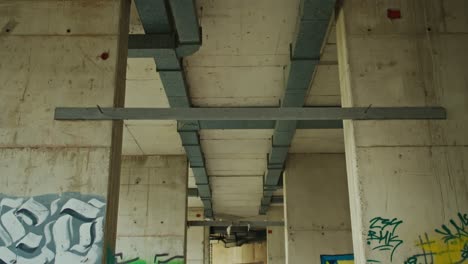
x=268, y=124
x=286, y=113
x=236, y=223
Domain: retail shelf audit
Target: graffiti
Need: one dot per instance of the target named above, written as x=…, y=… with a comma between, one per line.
x=121, y=261
x=171, y=260
x=464, y=252
x=337, y=259
x=433, y=252
x=382, y=235
x=65, y=228
x=456, y=230
x=137, y=260
x=451, y=248
x=427, y=255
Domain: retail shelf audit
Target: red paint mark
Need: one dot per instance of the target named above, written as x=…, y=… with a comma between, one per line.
x=105, y=55
x=270, y=231
x=393, y=13
x=198, y=215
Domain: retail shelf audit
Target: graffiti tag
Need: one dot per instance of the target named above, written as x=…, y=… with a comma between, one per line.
x=382, y=235
x=157, y=260
x=456, y=230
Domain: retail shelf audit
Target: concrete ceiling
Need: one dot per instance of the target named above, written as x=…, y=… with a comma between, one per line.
x=241, y=63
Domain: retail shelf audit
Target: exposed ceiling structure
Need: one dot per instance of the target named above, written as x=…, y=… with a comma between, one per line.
x=242, y=63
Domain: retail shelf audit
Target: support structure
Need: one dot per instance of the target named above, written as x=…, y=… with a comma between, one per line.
x=236, y=223
x=153, y=209
x=313, y=21
x=276, y=237
x=316, y=208
x=60, y=180
x=172, y=32
x=408, y=179
x=196, y=239
x=227, y=114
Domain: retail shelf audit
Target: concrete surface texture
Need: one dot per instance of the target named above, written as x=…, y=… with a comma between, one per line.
x=197, y=242
x=246, y=254
x=153, y=208
x=59, y=178
x=376, y=191
x=407, y=179
x=275, y=237
x=316, y=208
x=241, y=63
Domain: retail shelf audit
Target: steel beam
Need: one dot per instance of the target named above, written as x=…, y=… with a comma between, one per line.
x=236, y=223
x=225, y=114
x=277, y=200
x=151, y=45
x=192, y=192
x=268, y=124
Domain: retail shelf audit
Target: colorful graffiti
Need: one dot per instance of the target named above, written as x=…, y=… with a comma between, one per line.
x=158, y=259
x=382, y=235
x=448, y=245
x=337, y=259
x=451, y=247
x=67, y=228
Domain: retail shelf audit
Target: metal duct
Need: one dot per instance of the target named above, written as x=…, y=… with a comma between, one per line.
x=165, y=23
x=314, y=18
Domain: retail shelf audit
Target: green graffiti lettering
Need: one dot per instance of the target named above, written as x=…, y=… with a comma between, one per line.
x=382, y=235
x=456, y=230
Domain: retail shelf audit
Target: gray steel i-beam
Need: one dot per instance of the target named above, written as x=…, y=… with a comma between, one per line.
x=283, y=113
x=236, y=223
x=268, y=124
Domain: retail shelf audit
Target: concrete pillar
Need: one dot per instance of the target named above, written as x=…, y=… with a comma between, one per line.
x=275, y=236
x=195, y=238
x=316, y=207
x=408, y=180
x=59, y=180
x=207, y=246
x=153, y=208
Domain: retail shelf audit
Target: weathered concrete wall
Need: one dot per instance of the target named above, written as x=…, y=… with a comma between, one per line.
x=153, y=208
x=196, y=238
x=246, y=254
x=275, y=236
x=316, y=207
x=58, y=180
x=408, y=180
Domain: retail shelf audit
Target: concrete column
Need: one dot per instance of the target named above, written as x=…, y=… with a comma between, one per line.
x=275, y=236
x=207, y=246
x=59, y=180
x=195, y=238
x=153, y=208
x=408, y=180
x=316, y=207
